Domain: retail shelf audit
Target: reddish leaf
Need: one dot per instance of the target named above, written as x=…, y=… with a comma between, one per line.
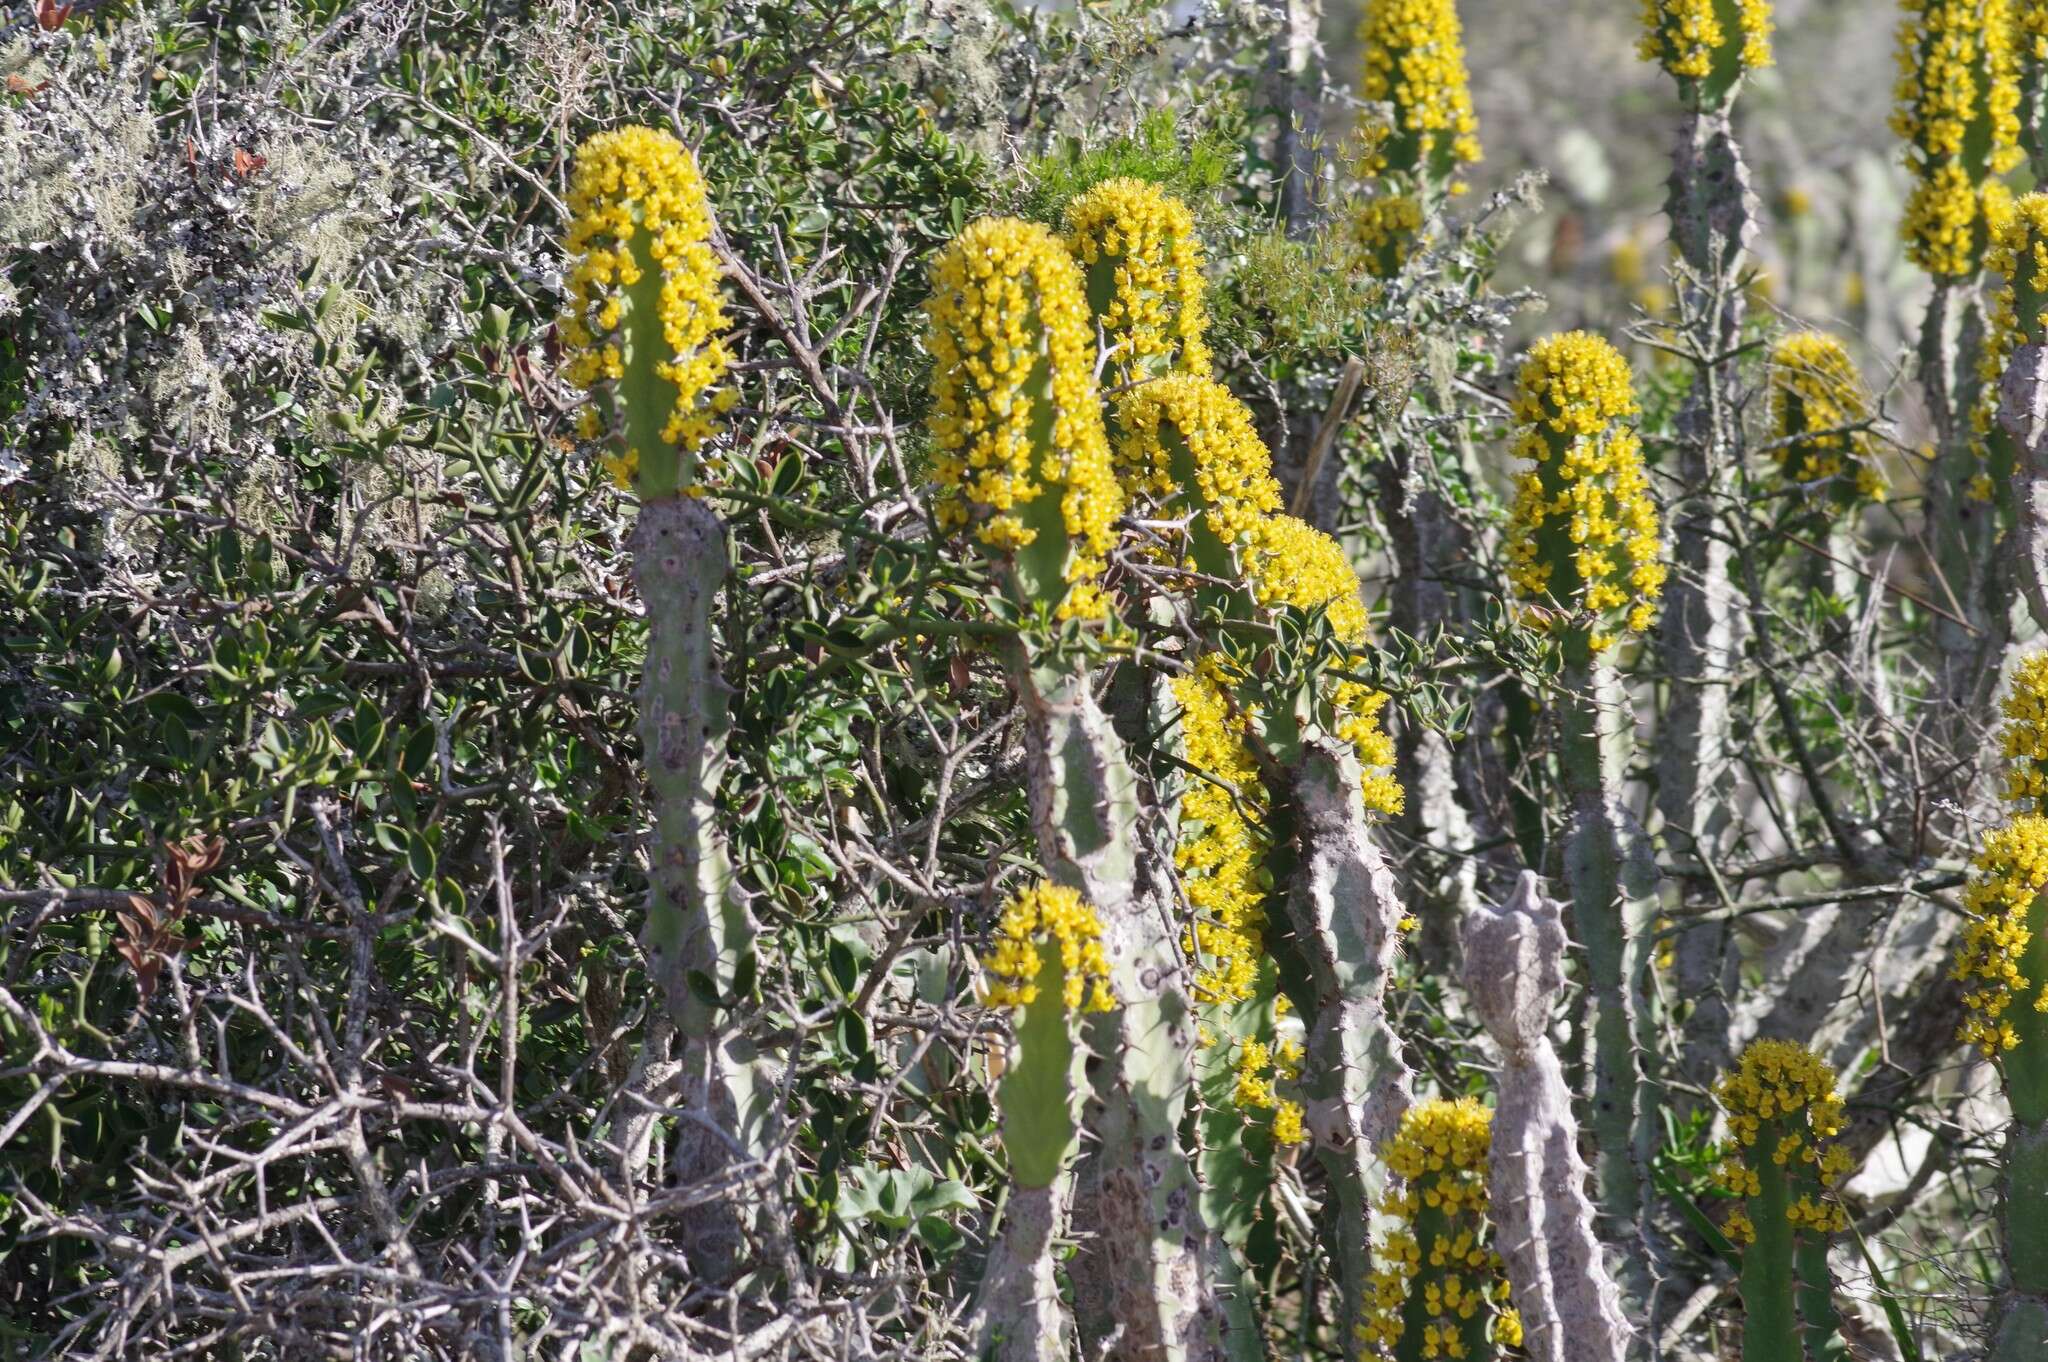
x=51, y=16
x=246, y=164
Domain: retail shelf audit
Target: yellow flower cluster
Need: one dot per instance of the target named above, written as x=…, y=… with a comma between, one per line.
x=2011, y=872
x=1294, y=564
x=2025, y=734
x=1686, y=36
x=636, y=205
x=1583, y=532
x=2033, y=30
x=2019, y=306
x=1440, y=1245
x=1144, y=259
x=1261, y=1068
x=1815, y=393
x=1958, y=110
x=1386, y=226
x=1231, y=470
x=1222, y=854
x=1781, y=1104
x=1415, y=60
x=1013, y=350
x=1054, y=915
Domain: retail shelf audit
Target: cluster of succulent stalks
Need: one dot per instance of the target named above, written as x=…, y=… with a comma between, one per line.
x=1221, y=812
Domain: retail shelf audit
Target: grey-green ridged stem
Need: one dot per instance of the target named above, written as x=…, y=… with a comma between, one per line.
x=698, y=926
x=2023, y=415
x=2020, y=1317
x=1345, y=916
x=1156, y=1298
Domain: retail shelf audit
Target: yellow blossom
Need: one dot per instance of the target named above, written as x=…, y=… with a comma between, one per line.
x=1782, y=1108
x=1022, y=455
x=1414, y=57
x=2024, y=735
x=1294, y=564
x=644, y=325
x=1688, y=38
x=1815, y=394
x=1583, y=535
x=1144, y=270
x=1054, y=915
x=1438, y=1252
x=1958, y=111
x=1192, y=434
x=2003, y=900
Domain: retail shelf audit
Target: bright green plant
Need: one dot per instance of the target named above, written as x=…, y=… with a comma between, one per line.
x=1783, y=1114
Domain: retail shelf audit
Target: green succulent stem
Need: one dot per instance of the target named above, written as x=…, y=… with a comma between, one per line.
x=1788, y=1289
x=1611, y=879
x=2020, y=1311
x=1770, y=1308
x=699, y=933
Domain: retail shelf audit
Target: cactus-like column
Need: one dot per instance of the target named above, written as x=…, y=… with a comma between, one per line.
x=2019, y=356
x=1958, y=101
x=1047, y=963
x=1783, y=1114
x=1439, y=1289
x=1514, y=971
x=1707, y=48
x=643, y=329
x=1584, y=552
x=1413, y=58
x=2002, y=964
x=1326, y=760
x=2030, y=19
x=1023, y=462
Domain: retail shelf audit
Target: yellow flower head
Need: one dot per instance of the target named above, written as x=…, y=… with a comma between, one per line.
x=2019, y=308
x=1415, y=60
x=643, y=328
x=1261, y=1068
x=1293, y=564
x=1048, y=917
x=1021, y=454
x=2003, y=901
x=1816, y=393
x=1222, y=852
x=1439, y=1252
x=1583, y=535
x=1783, y=1108
x=2025, y=733
x=1688, y=38
x=1189, y=434
x=1958, y=111
x=1144, y=269
x=1387, y=226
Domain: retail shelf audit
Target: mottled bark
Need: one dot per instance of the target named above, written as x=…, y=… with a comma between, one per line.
x=1514, y=972
x=1345, y=920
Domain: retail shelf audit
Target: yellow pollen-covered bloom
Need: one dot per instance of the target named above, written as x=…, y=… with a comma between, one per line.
x=1387, y=226
x=1783, y=1109
x=1048, y=915
x=1438, y=1252
x=644, y=325
x=1143, y=261
x=1222, y=852
x=2019, y=305
x=2025, y=734
x=2003, y=900
x=1022, y=457
x=1192, y=434
x=1583, y=534
x=1688, y=39
x=1295, y=565
x=1958, y=111
x=1261, y=1069
x=1816, y=398
x=1414, y=55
